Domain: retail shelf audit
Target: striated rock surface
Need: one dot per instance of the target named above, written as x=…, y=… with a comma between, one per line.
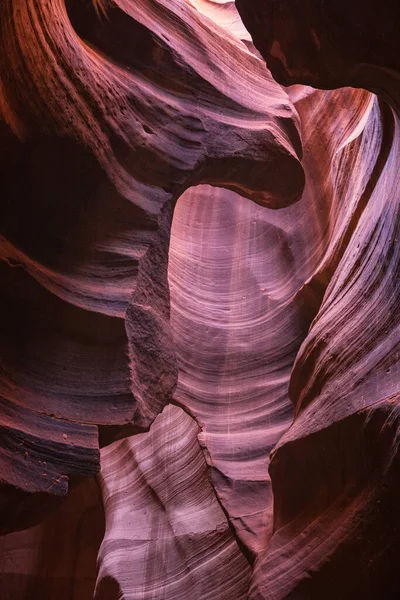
x=109, y=111
x=238, y=365
x=225, y=14
x=166, y=534
x=245, y=284
x=335, y=488
x=336, y=527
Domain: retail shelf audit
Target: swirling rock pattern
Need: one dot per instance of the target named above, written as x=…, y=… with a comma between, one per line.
x=228, y=271
x=109, y=111
x=339, y=499
x=245, y=283
x=334, y=471
x=224, y=13
x=268, y=468
x=166, y=535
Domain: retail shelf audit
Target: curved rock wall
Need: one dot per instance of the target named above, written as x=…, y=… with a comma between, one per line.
x=166, y=535
x=245, y=284
x=109, y=111
x=229, y=370
x=336, y=528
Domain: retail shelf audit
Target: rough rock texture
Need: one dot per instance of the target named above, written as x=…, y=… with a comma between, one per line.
x=109, y=111
x=237, y=364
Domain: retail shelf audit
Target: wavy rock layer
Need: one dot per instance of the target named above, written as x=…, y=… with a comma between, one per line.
x=333, y=472
x=109, y=111
x=336, y=530
x=245, y=283
x=229, y=276
x=166, y=534
x=224, y=14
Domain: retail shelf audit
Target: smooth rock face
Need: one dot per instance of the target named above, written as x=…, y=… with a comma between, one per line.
x=198, y=274
x=309, y=41
x=56, y=559
x=245, y=283
x=166, y=534
x=336, y=526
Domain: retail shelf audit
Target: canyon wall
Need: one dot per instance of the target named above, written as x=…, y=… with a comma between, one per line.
x=199, y=304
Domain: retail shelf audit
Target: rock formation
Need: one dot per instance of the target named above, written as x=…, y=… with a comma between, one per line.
x=166, y=534
x=57, y=558
x=336, y=527
x=111, y=110
x=243, y=287
x=199, y=303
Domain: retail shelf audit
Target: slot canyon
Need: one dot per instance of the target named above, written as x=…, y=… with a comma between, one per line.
x=199, y=305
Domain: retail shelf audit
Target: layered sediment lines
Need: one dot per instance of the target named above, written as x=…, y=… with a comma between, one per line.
x=245, y=284
x=109, y=111
x=345, y=387
x=166, y=534
x=238, y=364
x=333, y=473
x=224, y=14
